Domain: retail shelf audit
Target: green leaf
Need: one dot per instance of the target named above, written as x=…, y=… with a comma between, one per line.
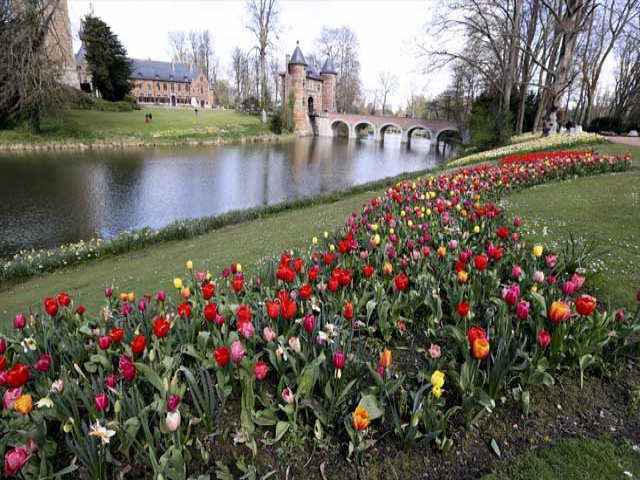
x=495, y=448
x=281, y=429
x=151, y=376
x=370, y=404
x=371, y=306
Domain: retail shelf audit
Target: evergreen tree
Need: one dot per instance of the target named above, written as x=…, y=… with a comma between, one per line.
x=106, y=58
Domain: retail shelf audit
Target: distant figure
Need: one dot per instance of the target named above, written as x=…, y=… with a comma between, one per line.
x=150, y=117
x=146, y=118
x=196, y=110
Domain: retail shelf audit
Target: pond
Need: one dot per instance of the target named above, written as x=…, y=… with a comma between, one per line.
x=47, y=199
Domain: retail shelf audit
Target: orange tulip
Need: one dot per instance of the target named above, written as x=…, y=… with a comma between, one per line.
x=480, y=348
x=361, y=419
x=559, y=311
x=24, y=404
x=385, y=358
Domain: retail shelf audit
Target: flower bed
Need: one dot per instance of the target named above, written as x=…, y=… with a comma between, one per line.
x=536, y=143
x=541, y=156
x=306, y=348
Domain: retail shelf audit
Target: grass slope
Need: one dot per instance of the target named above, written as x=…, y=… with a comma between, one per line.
x=604, y=210
x=168, y=125
x=575, y=460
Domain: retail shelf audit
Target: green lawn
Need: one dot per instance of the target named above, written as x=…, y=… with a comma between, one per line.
x=575, y=460
x=603, y=209
x=168, y=125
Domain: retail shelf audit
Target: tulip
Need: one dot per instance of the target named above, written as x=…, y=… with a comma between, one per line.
x=361, y=419
x=23, y=404
x=543, y=338
x=15, y=460
x=380, y=370
x=287, y=396
x=10, y=396
x=463, y=309
x=638, y=295
x=237, y=351
x=559, y=311
x=117, y=334
x=243, y=313
x=511, y=294
x=80, y=310
x=268, y=334
x=538, y=276
x=619, y=315
x=20, y=321
x=522, y=310
x=551, y=260
x=138, y=345
x=577, y=280
x=516, y=222
x=177, y=283
x=309, y=323
x=516, y=272
x=104, y=342
x=294, y=344
x=161, y=296
x=173, y=401
x=568, y=288
x=18, y=375
x=434, y=351
x=221, y=355
x=246, y=329
x=480, y=262
x=338, y=359
x=480, y=348
x=537, y=251
x=110, y=381
x=173, y=420
x=161, y=327
x=3, y=346
x=101, y=402
x=260, y=370
x=385, y=358
x=43, y=364
x=585, y=305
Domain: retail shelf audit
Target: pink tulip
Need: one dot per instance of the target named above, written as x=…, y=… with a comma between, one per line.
x=173, y=420
x=104, y=342
x=260, y=370
x=101, y=402
x=15, y=460
x=287, y=396
x=434, y=351
x=568, y=288
x=110, y=381
x=173, y=401
x=108, y=292
x=3, y=346
x=10, y=396
x=516, y=222
x=309, y=323
x=44, y=363
x=246, y=329
x=338, y=359
x=20, y=321
x=577, y=280
x=511, y=294
x=551, y=260
x=516, y=272
x=161, y=296
x=538, y=277
x=268, y=334
x=237, y=351
x=522, y=310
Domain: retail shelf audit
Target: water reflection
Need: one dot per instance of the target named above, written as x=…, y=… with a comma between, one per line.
x=53, y=198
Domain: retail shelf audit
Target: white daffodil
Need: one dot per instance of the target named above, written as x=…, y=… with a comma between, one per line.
x=44, y=402
x=101, y=432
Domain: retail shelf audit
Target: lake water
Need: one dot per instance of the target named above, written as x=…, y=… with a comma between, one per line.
x=51, y=198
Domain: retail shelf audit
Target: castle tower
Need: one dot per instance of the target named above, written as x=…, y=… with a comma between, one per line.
x=297, y=69
x=60, y=46
x=329, y=74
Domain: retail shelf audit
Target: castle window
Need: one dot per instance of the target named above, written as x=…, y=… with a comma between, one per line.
x=179, y=87
x=201, y=90
x=172, y=86
x=164, y=86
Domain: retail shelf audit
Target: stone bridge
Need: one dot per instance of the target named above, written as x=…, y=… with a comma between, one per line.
x=328, y=125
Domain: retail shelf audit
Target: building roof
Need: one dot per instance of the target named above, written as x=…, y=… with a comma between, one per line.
x=311, y=73
x=297, y=58
x=328, y=67
x=154, y=69
x=80, y=56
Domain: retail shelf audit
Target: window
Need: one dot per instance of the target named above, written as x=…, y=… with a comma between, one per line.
x=148, y=87
x=158, y=85
x=201, y=89
x=164, y=86
x=179, y=87
x=172, y=86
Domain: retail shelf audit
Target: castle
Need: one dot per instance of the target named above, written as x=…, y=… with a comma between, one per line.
x=312, y=94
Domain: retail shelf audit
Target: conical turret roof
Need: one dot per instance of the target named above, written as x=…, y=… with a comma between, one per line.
x=328, y=67
x=297, y=58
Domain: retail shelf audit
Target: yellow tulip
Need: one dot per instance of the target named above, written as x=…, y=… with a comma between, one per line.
x=177, y=282
x=190, y=265
x=476, y=229
x=537, y=251
x=436, y=391
x=376, y=239
x=325, y=234
x=314, y=240
x=238, y=267
x=437, y=379
x=332, y=247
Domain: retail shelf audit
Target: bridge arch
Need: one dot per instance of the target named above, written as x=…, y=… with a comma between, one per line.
x=359, y=125
x=382, y=129
x=341, y=128
x=413, y=128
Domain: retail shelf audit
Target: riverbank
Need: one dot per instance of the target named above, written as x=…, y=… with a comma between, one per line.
x=92, y=129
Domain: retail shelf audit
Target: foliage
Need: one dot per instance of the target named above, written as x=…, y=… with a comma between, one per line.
x=106, y=59
x=151, y=373
x=606, y=124
x=490, y=128
x=282, y=119
x=80, y=100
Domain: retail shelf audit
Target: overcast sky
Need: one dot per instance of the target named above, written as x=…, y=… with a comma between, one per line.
x=387, y=31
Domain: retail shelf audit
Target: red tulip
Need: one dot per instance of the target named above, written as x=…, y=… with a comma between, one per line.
x=289, y=309
x=305, y=291
x=401, y=282
x=480, y=261
x=238, y=283
x=208, y=289
x=110, y=381
x=184, y=310
x=463, y=309
x=544, y=338
x=51, y=306
x=17, y=375
x=260, y=370
x=117, y=334
x=338, y=359
x=173, y=401
x=367, y=270
x=138, y=345
x=273, y=309
x=333, y=284
x=559, y=311
x=221, y=354
x=64, y=300
x=43, y=364
x=313, y=273
x=348, y=310
x=585, y=305
x=210, y=311
x=161, y=327
x=3, y=363
x=243, y=313
x=474, y=333
x=101, y=401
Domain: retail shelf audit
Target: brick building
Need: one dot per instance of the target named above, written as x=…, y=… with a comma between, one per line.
x=313, y=93
x=160, y=83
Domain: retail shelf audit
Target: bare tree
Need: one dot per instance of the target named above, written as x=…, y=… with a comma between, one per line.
x=388, y=83
x=627, y=87
x=263, y=18
x=178, y=46
x=30, y=68
x=342, y=45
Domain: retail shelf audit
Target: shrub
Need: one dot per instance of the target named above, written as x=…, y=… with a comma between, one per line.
x=606, y=124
